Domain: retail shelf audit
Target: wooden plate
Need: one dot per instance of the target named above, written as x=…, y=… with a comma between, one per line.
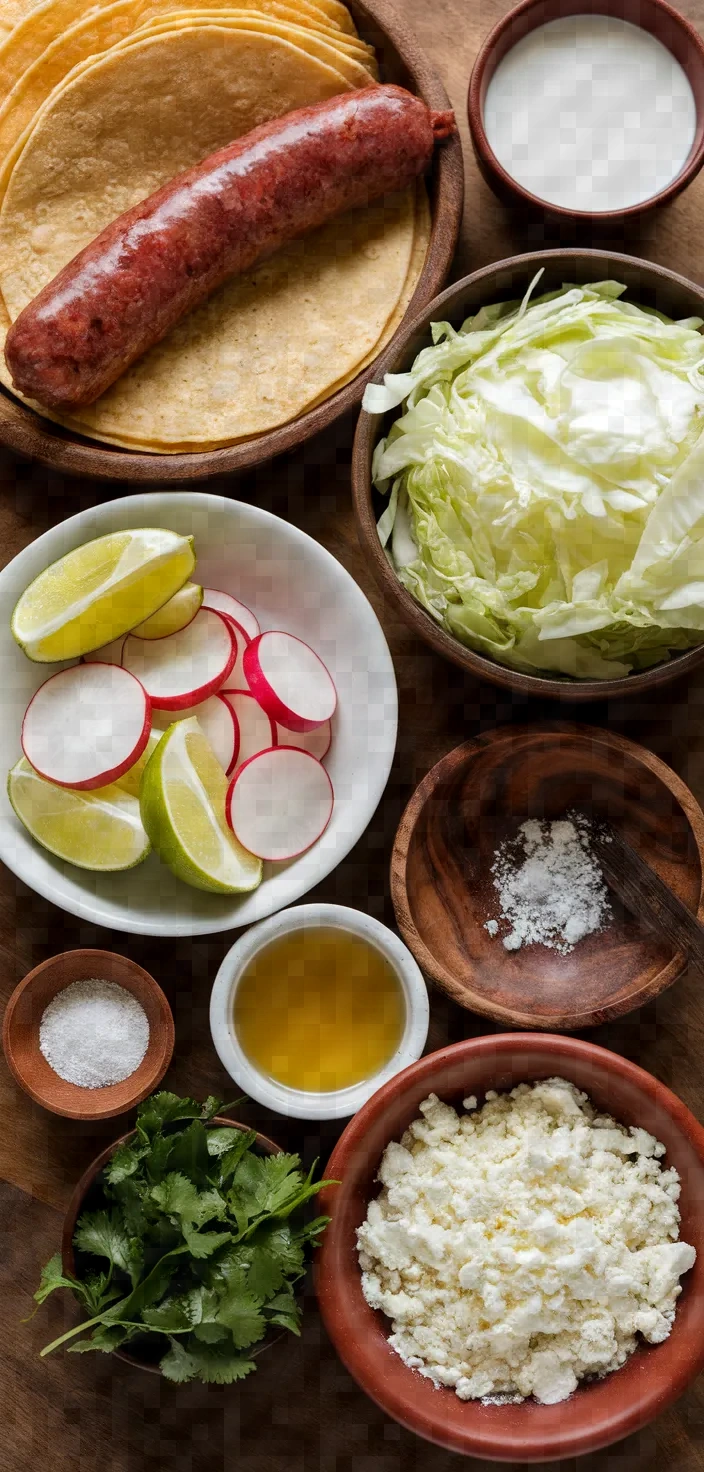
x=79, y=1202
x=402, y=61
x=20, y=1035
x=473, y=798
x=647, y=285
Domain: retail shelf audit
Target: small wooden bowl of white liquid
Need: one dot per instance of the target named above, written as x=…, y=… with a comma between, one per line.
x=589, y=110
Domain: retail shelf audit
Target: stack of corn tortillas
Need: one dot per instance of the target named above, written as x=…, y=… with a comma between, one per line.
x=102, y=108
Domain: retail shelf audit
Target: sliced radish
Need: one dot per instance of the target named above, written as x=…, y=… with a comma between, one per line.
x=317, y=742
x=279, y=803
x=109, y=654
x=184, y=668
x=86, y=725
x=256, y=730
x=225, y=603
x=289, y=680
x=237, y=678
x=217, y=721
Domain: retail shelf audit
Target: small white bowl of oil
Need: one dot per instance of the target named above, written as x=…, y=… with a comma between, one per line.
x=317, y=1007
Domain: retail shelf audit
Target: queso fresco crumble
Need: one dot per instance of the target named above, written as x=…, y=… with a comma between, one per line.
x=524, y=1245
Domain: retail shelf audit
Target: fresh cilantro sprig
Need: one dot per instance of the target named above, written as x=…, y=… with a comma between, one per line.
x=204, y=1242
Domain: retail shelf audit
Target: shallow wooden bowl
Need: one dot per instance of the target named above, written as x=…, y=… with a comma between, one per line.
x=443, y=892
x=401, y=60
x=648, y=286
x=20, y=1035
x=80, y=1202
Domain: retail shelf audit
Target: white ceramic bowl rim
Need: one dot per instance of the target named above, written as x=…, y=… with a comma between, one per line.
x=290, y=581
x=297, y=1103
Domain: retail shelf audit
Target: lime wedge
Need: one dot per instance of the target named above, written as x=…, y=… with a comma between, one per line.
x=99, y=830
x=183, y=811
x=99, y=591
x=174, y=616
x=131, y=780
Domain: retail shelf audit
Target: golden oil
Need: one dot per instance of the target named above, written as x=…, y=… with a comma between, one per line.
x=319, y=1009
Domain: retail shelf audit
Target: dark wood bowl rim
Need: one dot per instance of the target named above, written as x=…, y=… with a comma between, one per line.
x=29, y=434
x=369, y=428
x=487, y=61
x=474, y=1001
x=161, y=1063
x=82, y=1187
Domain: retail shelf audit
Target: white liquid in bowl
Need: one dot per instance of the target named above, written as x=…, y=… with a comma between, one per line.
x=590, y=113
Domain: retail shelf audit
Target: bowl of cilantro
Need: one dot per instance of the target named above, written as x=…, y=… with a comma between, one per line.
x=183, y=1243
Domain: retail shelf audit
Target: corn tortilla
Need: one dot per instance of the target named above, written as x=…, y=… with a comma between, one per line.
x=35, y=27
x=268, y=343
x=352, y=71
x=105, y=28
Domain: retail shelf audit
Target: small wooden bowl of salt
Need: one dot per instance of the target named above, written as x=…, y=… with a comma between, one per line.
x=497, y=888
x=88, y=1034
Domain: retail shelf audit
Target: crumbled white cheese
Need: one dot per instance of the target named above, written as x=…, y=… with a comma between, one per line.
x=524, y=1245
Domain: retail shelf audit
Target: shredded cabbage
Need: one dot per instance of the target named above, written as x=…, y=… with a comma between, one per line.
x=546, y=482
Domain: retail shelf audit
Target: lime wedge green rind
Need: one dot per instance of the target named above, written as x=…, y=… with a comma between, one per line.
x=100, y=830
x=182, y=802
x=100, y=591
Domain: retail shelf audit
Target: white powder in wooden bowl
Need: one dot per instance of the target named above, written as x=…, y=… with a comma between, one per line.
x=94, y=1033
x=550, y=886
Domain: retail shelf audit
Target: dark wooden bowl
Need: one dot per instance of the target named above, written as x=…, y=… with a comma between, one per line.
x=647, y=285
x=655, y=16
x=20, y=1035
x=76, y=1206
x=598, y=1413
x=401, y=60
x=443, y=893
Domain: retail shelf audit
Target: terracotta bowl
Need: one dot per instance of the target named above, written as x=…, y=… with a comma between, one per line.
x=474, y=798
x=80, y=1202
x=20, y=1035
x=596, y=1414
x=655, y=16
x=401, y=60
x=647, y=285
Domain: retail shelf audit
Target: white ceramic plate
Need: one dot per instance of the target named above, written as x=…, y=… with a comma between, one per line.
x=290, y=582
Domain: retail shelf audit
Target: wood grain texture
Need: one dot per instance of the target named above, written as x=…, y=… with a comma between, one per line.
x=646, y=896
x=401, y=60
x=302, y=1412
x=471, y=802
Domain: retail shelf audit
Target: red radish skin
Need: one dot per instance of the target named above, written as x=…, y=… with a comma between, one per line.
x=276, y=799
x=280, y=669
x=184, y=669
x=73, y=733
x=218, y=723
x=238, y=612
x=317, y=742
x=237, y=675
x=109, y=654
x=256, y=731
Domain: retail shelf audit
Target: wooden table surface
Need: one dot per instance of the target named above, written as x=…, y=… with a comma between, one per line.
x=302, y=1412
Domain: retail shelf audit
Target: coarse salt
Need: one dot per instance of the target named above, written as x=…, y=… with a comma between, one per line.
x=94, y=1033
x=550, y=886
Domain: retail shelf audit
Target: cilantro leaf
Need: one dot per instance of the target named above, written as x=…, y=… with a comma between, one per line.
x=176, y=1195
x=52, y=1277
x=240, y=1313
x=204, y=1244
x=162, y=1109
x=189, y=1153
x=178, y=1364
x=126, y=1160
x=106, y=1338
x=218, y=1364
x=211, y=1106
x=174, y=1315
x=222, y=1139
x=210, y=1332
x=103, y=1234
x=275, y=1255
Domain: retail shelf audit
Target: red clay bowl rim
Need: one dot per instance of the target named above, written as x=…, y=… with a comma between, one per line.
x=369, y=427
x=84, y=1184
x=161, y=1063
x=484, y=151
x=333, y=1287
